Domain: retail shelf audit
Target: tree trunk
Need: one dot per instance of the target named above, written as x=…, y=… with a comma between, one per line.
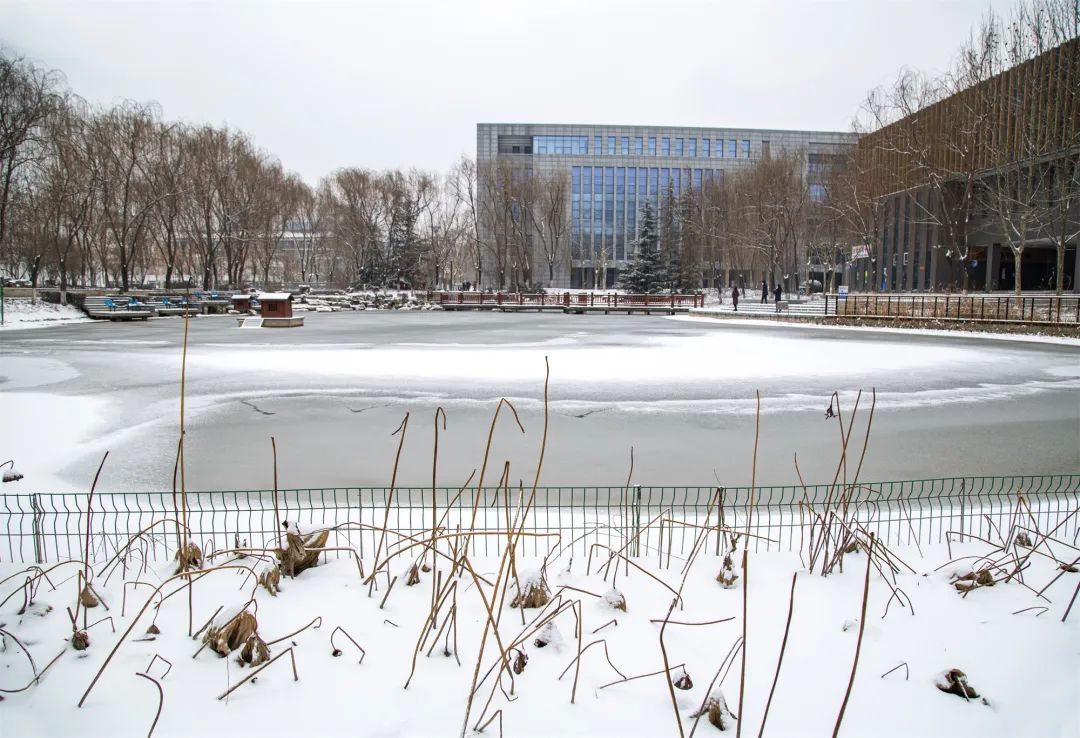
x=168, y=276
x=1059, y=270
x=1019, y=254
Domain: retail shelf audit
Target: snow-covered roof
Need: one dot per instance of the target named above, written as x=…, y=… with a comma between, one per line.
x=275, y=296
x=243, y=296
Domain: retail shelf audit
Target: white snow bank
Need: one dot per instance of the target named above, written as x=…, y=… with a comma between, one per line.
x=1022, y=338
x=1023, y=663
x=22, y=314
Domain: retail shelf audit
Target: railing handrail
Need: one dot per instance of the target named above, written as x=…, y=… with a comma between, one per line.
x=999, y=308
x=1073, y=478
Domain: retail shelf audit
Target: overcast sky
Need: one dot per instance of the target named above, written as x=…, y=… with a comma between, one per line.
x=402, y=84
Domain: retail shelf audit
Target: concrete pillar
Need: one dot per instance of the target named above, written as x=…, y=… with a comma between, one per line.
x=924, y=238
x=935, y=258
x=879, y=271
x=1076, y=267
x=993, y=264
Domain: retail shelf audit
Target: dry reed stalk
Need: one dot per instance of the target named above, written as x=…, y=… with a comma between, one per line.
x=483, y=467
x=742, y=665
x=316, y=619
x=183, y=480
x=780, y=658
x=134, y=620
x=277, y=511
x=613, y=621
x=1059, y=575
x=729, y=659
x=89, y=524
x=252, y=675
x=424, y=630
x=907, y=672
x=497, y=714
x=642, y=676
x=115, y=560
x=644, y=571
x=434, y=502
x=858, y=643
x=490, y=626
x=335, y=651
x=161, y=701
x=388, y=591
x=38, y=676
x=667, y=670
x=753, y=470
x=402, y=428
x=1072, y=601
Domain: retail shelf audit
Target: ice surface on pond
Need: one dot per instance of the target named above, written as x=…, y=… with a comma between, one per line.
x=680, y=392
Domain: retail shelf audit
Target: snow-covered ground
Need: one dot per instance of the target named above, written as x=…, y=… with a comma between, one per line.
x=681, y=393
x=21, y=314
x=1012, y=644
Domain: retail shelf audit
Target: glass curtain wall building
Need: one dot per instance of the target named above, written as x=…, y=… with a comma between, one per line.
x=613, y=171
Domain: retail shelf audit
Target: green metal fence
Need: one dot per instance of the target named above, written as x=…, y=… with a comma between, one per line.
x=51, y=527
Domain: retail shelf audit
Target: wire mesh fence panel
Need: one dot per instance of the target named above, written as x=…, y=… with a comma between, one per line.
x=576, y=521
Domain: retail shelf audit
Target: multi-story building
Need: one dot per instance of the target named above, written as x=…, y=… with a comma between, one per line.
x=964, y=189
x=613, y=170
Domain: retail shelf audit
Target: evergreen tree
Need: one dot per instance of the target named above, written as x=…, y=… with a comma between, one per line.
x=645, y=273
x=670, y=241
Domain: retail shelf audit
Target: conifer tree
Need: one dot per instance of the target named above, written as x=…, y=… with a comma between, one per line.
x=670, y=241
x=645, y=273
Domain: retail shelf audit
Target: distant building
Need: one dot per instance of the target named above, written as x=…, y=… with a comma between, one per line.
x=614, y=170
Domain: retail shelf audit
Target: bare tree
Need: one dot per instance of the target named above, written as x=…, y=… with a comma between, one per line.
x=551, y=218
x=28, y=97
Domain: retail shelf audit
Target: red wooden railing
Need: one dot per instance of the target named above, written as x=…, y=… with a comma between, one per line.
x=565, y=299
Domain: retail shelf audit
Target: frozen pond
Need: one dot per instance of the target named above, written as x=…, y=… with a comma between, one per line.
x=681, y=392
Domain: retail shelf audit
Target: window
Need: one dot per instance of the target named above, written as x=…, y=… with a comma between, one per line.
x=692, y=153
x=697, y=179
x=597, y=148
x=665, y=146
x=637, y=146
x=745, y=149
x=731, y=149
x=678, y=147
x=611, y=146
x=705, y=148
x=764, y=149
x=718, y=150
x=560, y=145
x=625, y=145
x=817, y=192
x=652, y=145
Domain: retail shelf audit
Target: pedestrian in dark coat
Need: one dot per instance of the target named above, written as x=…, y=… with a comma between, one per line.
x=764, y=292
x=735, y=298
x=777, y=294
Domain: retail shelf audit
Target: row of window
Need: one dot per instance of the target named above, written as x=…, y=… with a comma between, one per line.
x=691, y=148
x=605, y=201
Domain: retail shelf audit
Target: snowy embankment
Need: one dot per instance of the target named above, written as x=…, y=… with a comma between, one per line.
x=351, y=644
x=22, y=314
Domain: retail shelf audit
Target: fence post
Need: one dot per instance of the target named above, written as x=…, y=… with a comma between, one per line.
x=637, y=519
x=39, y=553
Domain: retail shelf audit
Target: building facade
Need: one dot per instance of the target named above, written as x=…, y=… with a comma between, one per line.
x=965, y=185
x=612, y=172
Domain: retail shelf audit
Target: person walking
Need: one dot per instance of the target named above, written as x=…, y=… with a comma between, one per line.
x=777, y=294
x=764, y=292
x=735, y=298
